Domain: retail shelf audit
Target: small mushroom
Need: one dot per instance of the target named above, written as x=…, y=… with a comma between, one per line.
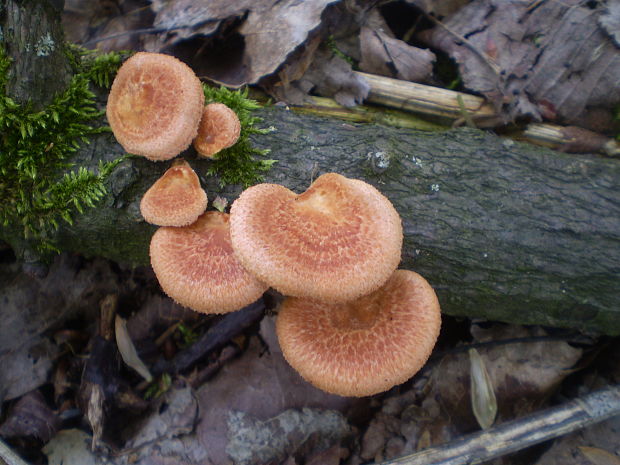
x=219, y=129
x=366, y=346
x=155, y=105
x=339, y=240
x=196, y=267
x=175, y=199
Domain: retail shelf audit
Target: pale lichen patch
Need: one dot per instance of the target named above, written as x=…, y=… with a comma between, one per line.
x=45, y=45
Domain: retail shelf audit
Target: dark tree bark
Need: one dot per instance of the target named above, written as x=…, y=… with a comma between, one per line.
x=34, y=40
x=502, y=230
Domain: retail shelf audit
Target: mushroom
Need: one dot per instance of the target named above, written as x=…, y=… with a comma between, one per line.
x=219, y=129
x=339, y=240
x=155, y=105
x=175, y=199
x=366, y=346
x=196, y=267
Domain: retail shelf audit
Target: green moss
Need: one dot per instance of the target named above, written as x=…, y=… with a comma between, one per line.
x=331, y=44
x=237, y=164
x=39, y=187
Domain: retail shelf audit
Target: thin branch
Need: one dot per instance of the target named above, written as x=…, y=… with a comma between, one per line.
x=524, y=432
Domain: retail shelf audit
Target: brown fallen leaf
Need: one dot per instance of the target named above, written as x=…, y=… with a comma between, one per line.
x=599, y=456
x=540, y=60
x=254, y=390
x=567, y=450
x=387, y=56
x=257, y=36
x=34, y=306
x=86, y=22
x=30, y=417
x=610, y=21
x=523, y=375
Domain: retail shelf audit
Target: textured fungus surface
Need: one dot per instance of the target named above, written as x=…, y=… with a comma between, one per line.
x=176, y=199
x=366, y=346
x=219, y=129
x=155, y=105
x=335, y=242
x=195, y=266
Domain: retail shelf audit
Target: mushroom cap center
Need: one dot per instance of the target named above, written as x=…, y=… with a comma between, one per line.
x=147, y=102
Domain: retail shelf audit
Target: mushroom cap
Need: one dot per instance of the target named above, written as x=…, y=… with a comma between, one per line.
x=175, y=199
x=366, y=346
x=155, y=105
x=196, y=267
x=335, y=242
x=219, y=129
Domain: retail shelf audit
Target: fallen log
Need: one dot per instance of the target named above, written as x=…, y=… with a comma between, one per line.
x=503, y=230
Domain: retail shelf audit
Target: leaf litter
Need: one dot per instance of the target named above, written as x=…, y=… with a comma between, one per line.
x=248, y=405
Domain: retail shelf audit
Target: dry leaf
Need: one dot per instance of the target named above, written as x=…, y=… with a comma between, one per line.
x=33, y=306
x=524, y=375
x=155, y=316
x=31, y=417
x=70, y=447
x=439, y=8
x=128, y=350
x=610, y=21
x=483, y=401
x=174, y=415
x=599, y=456
x=86, y=21
x=254, y=37
x=547, y=60
x=566, y=450
x=261, y=385
x=387, y=56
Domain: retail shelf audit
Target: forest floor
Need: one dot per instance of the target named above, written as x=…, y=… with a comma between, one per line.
x=71, y=398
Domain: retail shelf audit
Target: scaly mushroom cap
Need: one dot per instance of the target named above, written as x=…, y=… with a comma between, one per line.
x=219, y=129
x=366, y=346
x=335, y=242
x=195, y=266
x=155, y=105
x=175, y=199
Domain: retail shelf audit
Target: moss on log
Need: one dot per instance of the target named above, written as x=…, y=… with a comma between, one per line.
x=502, y=230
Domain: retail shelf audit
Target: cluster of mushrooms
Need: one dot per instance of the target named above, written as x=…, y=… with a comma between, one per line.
x=350, y=323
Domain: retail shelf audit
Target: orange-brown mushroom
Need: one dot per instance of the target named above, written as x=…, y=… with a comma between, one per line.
x=365, y=346
x=219, y=129
x=155, y=105
x=196, y=267
x=335, y=242
x=175, y=199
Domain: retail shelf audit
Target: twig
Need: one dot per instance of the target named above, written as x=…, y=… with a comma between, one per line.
x=7, y=455
x=231, y=325
x=425, y=99
x=519, y=434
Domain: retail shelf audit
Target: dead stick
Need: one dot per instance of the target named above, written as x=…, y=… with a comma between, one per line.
x=518, y=434
x=230, y=326
x=8, y=456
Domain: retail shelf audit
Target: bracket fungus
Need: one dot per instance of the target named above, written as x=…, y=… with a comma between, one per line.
x=175, y=199
x=155, y=105
x=365, y=346
x=219, y=129
x=196, y=267
x=339, y=240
